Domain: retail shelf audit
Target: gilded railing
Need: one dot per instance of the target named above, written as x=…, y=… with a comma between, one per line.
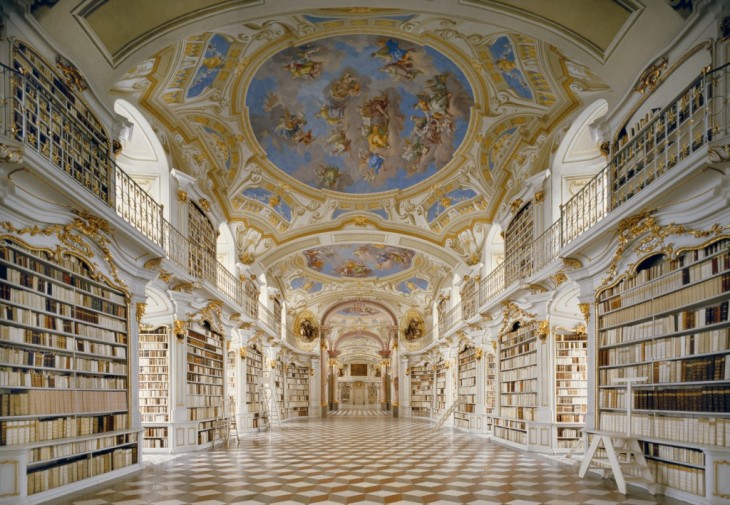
x=546, y=247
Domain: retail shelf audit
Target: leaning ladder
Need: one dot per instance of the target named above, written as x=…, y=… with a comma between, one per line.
x=232, y=422
x=447, y=413
x=270, y=407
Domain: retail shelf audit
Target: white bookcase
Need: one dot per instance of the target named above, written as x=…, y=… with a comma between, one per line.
x=204, y=379
x=668, y=321
x=422, y=384
x=154, y=386
x=64, y=373
x=297, y=390
x=467, y=387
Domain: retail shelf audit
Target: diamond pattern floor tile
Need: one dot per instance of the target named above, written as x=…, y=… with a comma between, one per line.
x=357, y=456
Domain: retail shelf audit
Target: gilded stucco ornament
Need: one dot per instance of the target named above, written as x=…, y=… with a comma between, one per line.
x=71, y=74
x=512, y=312
x=10, y=154
x=572, y=263
x=179, y=328
x=650, y=77
x=645, y=224
x=212, y=313
x=559, y=278
x=182, y=196
x=585, y=309
x=204, y=204
x=141, y=309
x=515, y=205
x=543, y=329
x=719, y=154
x=74, y=237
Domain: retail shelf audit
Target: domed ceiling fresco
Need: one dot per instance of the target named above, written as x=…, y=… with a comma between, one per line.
x=359, y=113
x=360, y=150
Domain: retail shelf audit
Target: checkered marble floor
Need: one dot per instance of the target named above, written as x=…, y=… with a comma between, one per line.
x=358, y=411
x=357, y=459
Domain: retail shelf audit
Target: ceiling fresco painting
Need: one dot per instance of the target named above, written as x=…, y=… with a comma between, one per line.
x=408, y=286
x=359, y=113
x=359, y=261
x=270, y=199
x=449, y=200
x=306, y=284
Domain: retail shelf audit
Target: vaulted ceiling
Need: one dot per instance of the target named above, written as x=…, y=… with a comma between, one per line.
x=360, y=152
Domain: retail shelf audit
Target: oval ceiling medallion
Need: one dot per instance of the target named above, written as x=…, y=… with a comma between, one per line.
x=359, y=113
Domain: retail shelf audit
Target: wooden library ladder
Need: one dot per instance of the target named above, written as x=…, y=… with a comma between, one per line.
x=618, y=454
x=447, y=413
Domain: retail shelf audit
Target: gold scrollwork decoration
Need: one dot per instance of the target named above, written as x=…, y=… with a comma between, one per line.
x=74, y=237
x=572, y=263
x=585, y=309
x=141, y=309
x=179, y=328
x=204, y=204
x=654, y=235
x=182, y=196
x=543, y=329
x=650, y=77
x=71, y=74
x=559, y=278
x=10, y=154
x=512, y=312
x=515, y=205
x=211, y=313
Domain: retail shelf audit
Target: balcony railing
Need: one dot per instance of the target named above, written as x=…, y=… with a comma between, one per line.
x=698, y=114
x=38, y=117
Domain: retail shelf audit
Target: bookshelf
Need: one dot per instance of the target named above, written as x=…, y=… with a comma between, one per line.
x=668, y=322
x=490, y=389
x=64, y=371
x=154, y=386
x=204, y=379
x=440, y=399
x=231, y=360
x=254, y=374
x=518, y=382
x=467, y=387
x=297, y=390
x=571, y=387
x=422, y=384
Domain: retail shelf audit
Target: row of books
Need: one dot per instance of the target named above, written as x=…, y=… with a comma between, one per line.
x=518, y=399
x=665, y=266
x=684, y=455
x=204, y=356
x=568, y=417
x=519, y=386
x=641, y=290
x=692, y=430
x=203, y=374
x=152, y=370
x=106, y=329
x=517, y=350
x=211, y=342
x=518, y=437
x=523, y=373
x=520, y=335
x=28, y=431
x=155, y=443
x=704, y=290
x=197, y=413
x=28, y=336
x=524, y=413
x=706, y=399
x=29, y=378
x=63, y=272
x=56, y=476
x=57, y=451
x=205, y=400
x=39, y=402
x=713, y=341
x=195, y=389
x=525, y=360
x=690, y=480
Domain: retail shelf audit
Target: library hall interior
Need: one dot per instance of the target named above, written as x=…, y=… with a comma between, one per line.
x=347, y=251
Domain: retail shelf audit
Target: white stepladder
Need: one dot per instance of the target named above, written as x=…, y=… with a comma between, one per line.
x=447, y=413
x=617, y=453
x=232, y=422
x=269, y=403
